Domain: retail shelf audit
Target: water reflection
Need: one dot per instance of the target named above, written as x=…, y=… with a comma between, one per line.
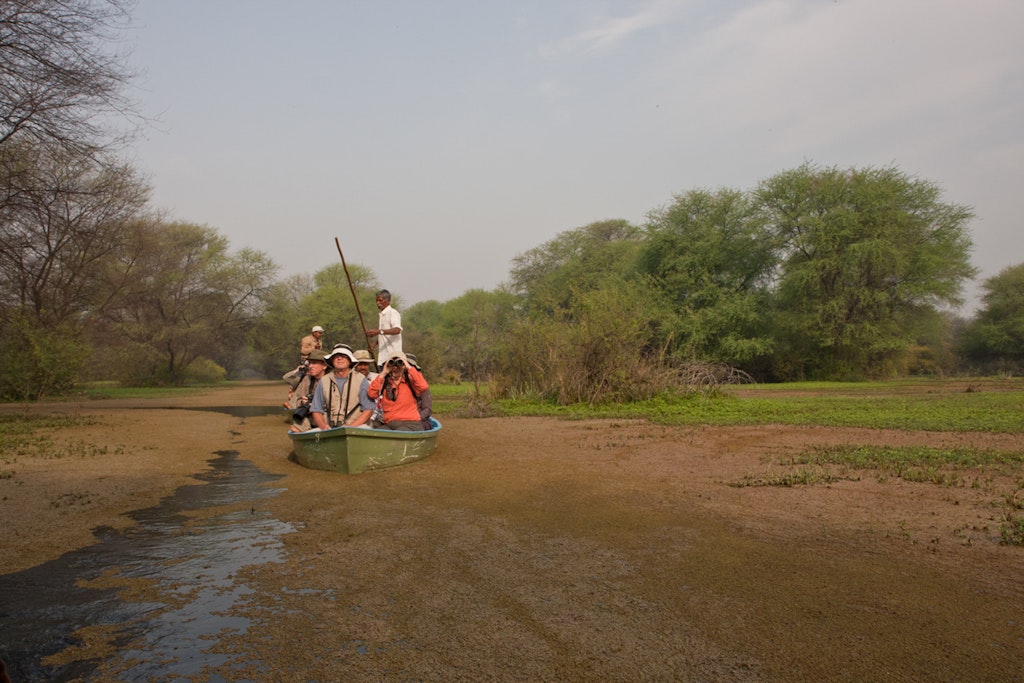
x=242, y=411
x=179, y=574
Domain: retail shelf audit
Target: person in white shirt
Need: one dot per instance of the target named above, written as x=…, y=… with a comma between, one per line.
x=388, y=330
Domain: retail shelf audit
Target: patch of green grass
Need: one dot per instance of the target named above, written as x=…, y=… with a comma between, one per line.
x=901, y=457
x=461, y=400
x=32, y=436
x=801, y=477
x=1011, y=530
x=923, y=464
x=454, y=390
x=872, y=405
x=943, y=467
x=14, y=425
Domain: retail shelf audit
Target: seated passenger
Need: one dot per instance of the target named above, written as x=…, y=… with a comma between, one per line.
x=425, y=402
x=303, y=394
x=340, y=397
x=396, y=389
x=293, y=378
x=365, y=364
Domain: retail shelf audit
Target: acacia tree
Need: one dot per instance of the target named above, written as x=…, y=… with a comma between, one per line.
x=550, y=276
x=273, y=337
x=996, y=335
x=867, y=256
x=180, y=297
x=65, y=215
x=711, y=259
x=63, y=219
x=473, y=326
x=329, y=304
x=601, y=355
x=423, y=335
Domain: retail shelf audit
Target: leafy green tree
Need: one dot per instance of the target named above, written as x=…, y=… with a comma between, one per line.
x=600, y=353
x=550, y=276
x=185, y=297
x=35, y=360
x=329, y=304
x=422, y=335
x=996, y=334
x=473, y=328
x=866, y=258
x=274, y=337
x=711, y=260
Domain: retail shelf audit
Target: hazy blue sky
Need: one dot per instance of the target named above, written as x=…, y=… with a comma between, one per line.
x=439, y=139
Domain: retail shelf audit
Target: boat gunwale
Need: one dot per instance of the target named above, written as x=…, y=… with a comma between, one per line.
x=363, y=432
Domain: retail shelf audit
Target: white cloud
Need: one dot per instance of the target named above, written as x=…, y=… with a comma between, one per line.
x=608, y=32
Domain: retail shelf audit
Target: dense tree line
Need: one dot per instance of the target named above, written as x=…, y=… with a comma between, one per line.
x=816, y=273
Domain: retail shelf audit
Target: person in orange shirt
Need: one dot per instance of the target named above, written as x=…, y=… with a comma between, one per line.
x=395, y=390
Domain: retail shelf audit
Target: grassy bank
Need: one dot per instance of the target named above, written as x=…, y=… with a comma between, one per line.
x=937, y=405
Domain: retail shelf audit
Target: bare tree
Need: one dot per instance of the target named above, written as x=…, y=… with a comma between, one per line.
x=62, y=220
x=59, y=79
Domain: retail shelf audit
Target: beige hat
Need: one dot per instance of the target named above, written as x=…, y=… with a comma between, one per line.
x=317, y=328
x=363, y=356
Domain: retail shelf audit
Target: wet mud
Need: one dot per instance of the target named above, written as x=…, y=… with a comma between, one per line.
x=521, y=549
x=158, y=593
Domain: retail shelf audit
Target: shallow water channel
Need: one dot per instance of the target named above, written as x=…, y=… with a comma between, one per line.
x=159, y=592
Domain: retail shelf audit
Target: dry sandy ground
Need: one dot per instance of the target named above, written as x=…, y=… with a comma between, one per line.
x=532, y=549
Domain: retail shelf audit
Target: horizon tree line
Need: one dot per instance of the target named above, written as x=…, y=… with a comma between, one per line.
x=816, y=273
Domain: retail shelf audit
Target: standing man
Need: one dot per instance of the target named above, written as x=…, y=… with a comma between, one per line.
x=311, y=341
x=389, y=329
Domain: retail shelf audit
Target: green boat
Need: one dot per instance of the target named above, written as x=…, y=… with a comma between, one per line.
x=353, y=450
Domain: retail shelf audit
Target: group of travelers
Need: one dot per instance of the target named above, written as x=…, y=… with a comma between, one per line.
x=345, y=387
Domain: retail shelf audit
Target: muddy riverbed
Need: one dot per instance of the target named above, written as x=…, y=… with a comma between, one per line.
x=533, y=549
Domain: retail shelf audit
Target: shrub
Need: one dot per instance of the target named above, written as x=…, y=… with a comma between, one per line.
x=204, y=371
x=38, y=360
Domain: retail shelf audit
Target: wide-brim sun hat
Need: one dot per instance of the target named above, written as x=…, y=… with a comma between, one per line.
x=341, y=351
x=317, y=354
x=317, y=328
x=363, y=356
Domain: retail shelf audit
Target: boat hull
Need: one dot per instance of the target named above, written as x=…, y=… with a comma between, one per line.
x=354, y=450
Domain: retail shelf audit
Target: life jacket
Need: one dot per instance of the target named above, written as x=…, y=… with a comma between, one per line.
x=341, y=406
